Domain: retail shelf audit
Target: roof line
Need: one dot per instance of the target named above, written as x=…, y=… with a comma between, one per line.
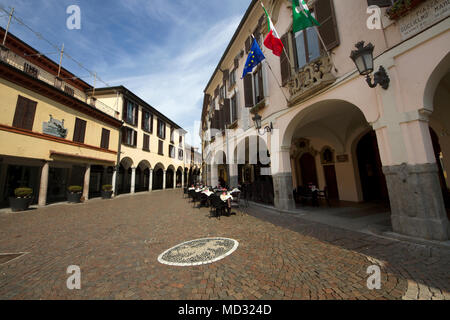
x=125, y=90
x=2, y=32
x=241, y=24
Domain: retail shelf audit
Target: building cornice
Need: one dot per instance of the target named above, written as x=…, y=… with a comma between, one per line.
x=14, y=75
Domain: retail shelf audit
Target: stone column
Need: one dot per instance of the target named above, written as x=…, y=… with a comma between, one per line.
x=164, y=179
x=87, y=178
x=114, y=180
x=234, y=174
x=150, y=181
x=282, y=180
x=133, y=180
x=182, y=180
x=214, y=175
x=174, y=180
x=44, y=185
x=417, y=204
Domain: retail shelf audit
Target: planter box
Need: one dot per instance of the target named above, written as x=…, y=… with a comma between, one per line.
x=19, y=204
x=107, y=194
x=74, y=197
x=403, y=10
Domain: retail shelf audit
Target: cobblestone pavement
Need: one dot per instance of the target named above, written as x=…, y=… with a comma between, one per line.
x=116, y=243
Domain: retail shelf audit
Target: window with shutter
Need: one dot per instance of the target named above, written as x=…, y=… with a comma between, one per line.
x=25, y=113
x=248, y=44
x=380, y=3
x=146, y=143
x=234, y=115
x=325, y=15
x=134, y=138
x=124, y=135
x=172, y=135
x=227, y=112
x=284, y=61
x=232, y=79
x=124, y=110
x=226, y=75
x=248, y=90
x=104, y=144
x=161, y=148
x=79, y=131
x=161, y=129
x=236, y=63
x=258, y=85
x=136, y=115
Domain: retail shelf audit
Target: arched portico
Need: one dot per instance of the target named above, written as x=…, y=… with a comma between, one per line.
x=159, y=177
x=170, y=177
x=250, y=166
x=143, y=176
x=125, y=176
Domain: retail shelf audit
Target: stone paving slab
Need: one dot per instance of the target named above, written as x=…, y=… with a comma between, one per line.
x=116, y=244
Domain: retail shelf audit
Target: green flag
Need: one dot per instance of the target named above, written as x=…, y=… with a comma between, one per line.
x=303, y=18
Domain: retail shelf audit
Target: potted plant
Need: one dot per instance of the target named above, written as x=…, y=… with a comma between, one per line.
x=22, y=199
x=74, y=194
x=107, y=191
x=401, y=7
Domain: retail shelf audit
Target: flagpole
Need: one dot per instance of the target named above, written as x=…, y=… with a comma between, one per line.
x=284, y=47
x=279, y=85
x=325, y=48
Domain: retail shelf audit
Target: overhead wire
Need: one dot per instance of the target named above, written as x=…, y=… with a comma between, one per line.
x=54, y=46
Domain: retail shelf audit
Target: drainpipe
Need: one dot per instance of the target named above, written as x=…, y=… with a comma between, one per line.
x=119, y=152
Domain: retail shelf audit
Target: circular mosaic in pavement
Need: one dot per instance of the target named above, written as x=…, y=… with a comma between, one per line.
x=198, y=252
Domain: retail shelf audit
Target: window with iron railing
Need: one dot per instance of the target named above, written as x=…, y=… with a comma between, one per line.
x=180, y=154
x=69, y=90
x=32, y=71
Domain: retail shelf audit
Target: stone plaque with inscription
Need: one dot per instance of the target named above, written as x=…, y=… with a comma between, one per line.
x=424, y=16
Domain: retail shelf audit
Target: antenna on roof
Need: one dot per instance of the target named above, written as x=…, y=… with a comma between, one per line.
x=60, y=60
x=7, y=27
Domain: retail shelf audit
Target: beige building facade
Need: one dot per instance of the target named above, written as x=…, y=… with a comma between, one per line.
x=50, y=137
x=152, y=152
x=330, y=128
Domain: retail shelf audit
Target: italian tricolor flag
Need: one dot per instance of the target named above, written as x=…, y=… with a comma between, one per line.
x=273, y=41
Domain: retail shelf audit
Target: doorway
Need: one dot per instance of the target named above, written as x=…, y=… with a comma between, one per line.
x=308, y=170
x=331, y=182
x=373, y=181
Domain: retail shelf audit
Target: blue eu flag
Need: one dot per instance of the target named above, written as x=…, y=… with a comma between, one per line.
x=254, y=58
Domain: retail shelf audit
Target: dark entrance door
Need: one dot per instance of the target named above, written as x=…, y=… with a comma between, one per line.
x=95, y=182
x=57, y=185
x=373, y=181
x=158, y=179
x=331, y=181
x=308, y=169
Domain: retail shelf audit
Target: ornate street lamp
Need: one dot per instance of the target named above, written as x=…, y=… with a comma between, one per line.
x=257, y=120
x=363, y=59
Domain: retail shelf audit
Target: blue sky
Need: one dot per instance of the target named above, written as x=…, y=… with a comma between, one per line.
x=163, y=50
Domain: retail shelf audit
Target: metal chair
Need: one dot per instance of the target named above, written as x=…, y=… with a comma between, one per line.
x=217, y=205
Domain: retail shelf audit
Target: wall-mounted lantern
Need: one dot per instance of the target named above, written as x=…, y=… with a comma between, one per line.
x=258, y=120
x=363, y=59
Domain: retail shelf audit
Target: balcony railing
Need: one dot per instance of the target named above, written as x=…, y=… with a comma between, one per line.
x=310, y=79
x=24, y=65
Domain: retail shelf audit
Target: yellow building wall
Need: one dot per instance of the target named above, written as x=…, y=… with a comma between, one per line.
x=137, y=155
x=19, y=145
